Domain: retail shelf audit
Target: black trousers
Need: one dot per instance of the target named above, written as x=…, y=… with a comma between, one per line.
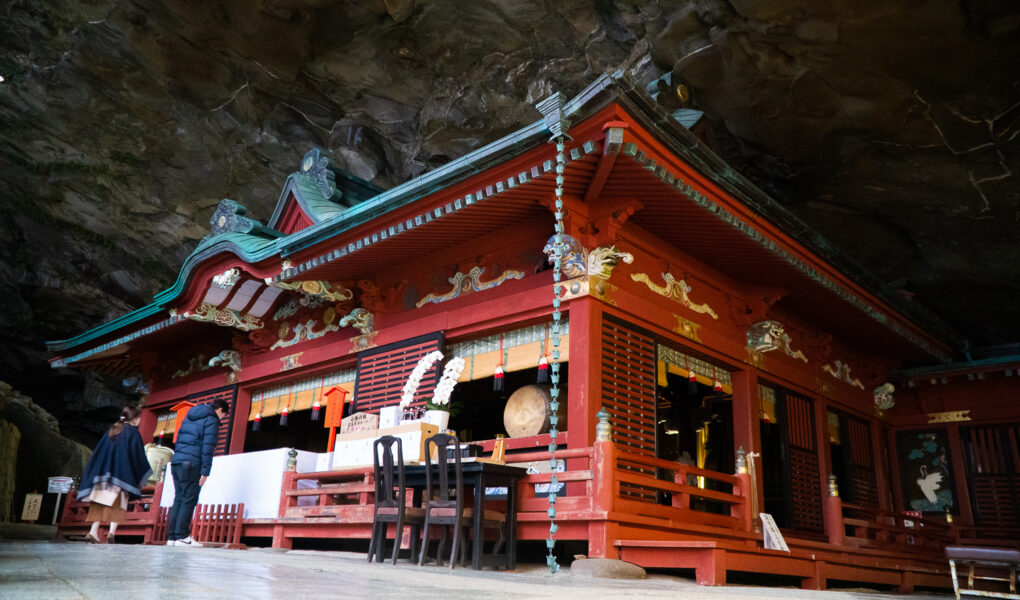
x=186, y=488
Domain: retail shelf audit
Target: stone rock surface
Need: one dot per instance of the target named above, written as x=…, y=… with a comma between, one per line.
x=605, y=568
x=890, y=126
x=42, y=452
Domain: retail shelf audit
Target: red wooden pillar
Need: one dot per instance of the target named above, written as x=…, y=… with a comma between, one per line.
x=601, y=530
x=147, y=424
x=280, y=540
x=747, y=430
x=882, y=477
x=584, y=382
x=832, y=506
x=956, y=460
x=242, y=406
x=894, y=472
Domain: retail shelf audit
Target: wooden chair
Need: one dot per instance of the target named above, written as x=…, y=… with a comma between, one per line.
x=442, y=509
x=391, y=500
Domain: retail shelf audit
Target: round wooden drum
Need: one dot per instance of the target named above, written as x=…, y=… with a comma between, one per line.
x=527, y=411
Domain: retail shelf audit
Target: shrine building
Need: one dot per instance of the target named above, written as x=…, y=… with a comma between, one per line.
x=743, y=365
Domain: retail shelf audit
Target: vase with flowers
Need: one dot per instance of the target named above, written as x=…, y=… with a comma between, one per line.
x=437, y=408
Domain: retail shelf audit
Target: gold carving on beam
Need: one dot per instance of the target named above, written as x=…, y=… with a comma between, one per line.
x=363, y=342
x=304, y=331
x=230, y=359
x=575, y=288
x=292, y=361
x=952, y=416
x=675, y=290
x=225, y=317
x=330, y=292
x=687, y=328
x=841, y=371
x=197, y=364
x=468, y=283
x=756, y=359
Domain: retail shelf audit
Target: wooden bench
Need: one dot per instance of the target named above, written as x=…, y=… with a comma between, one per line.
x=991, y=559
x=815, y=563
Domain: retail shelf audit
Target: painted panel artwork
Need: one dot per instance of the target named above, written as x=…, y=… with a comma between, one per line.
x=924, y=470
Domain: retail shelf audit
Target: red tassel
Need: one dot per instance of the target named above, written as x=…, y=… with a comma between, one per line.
x=497, y=379
x=543, y=370
x=316, y=409
x=717, y=386
x=284, y=417
x=691, y=377
x=256, y=425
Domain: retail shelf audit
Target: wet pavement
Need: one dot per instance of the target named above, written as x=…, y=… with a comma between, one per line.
x=42, y=569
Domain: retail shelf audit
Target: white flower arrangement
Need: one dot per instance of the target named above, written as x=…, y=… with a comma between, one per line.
x=445, y=386
x=414, y=379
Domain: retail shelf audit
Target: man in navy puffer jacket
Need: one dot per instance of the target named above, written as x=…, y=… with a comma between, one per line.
x=193, y=454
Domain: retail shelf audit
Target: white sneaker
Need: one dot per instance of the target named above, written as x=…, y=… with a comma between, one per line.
x=187, y=542
x=170, y=542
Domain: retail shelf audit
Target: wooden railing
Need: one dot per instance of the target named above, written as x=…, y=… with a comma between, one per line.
x=865, y=527
x=142, y=514
x=578, y=481
x=679, y=493
x=347, y=494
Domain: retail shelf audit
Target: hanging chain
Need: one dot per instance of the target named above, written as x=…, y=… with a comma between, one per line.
x=554, y=375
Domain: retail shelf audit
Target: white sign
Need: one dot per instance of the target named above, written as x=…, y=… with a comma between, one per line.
x=772, y=537
x=59, y=485
x=33, y=503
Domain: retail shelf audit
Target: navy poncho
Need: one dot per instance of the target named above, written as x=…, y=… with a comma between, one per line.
x=119, y=461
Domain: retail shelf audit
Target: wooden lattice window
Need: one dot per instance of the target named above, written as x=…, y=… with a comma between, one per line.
x=802, y=452
x=993, y=472
x=628, y=394
x=229, y=394
x=863, y=484
x=382, y=373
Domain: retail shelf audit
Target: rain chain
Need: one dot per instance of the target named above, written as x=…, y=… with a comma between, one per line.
x=554, y=376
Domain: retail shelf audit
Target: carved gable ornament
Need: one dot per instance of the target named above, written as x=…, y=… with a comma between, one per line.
x=229, y=218
x=316, y=166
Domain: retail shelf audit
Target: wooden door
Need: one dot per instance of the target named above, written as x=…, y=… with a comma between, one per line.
x=993, y=473
x=628, y=394
x=805, y=505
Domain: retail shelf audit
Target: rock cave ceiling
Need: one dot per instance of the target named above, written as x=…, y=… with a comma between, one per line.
x=891, y=127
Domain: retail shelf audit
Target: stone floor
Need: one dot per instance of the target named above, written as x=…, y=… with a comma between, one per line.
x=42, y=569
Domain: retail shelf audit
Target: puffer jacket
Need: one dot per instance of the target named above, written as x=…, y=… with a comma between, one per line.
x=196, y=439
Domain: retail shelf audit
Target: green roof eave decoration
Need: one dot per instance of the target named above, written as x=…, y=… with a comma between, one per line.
x=106, y=328
x=457, y=170
x=247, y=247
x=322, y=190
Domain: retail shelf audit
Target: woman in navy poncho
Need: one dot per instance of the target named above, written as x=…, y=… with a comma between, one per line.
x=118, y=468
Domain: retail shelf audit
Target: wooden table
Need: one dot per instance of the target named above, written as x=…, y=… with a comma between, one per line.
x=478, y=476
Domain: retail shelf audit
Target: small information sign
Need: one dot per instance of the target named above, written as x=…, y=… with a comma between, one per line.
x=59, y=485
x=33, y=504
x=772, y=537
x=361, y=421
